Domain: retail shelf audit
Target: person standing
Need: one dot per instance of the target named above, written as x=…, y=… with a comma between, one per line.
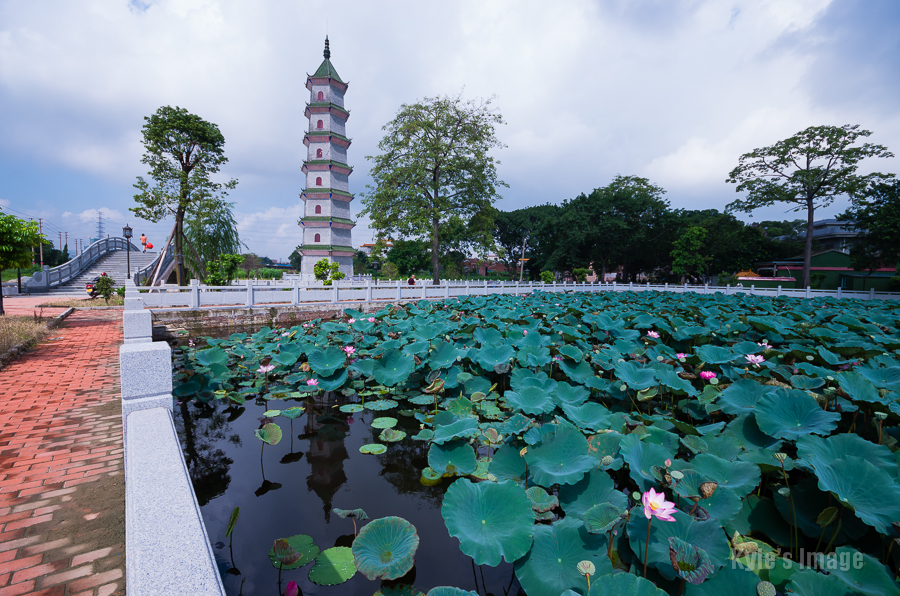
x=412, y=280
x=144, y=242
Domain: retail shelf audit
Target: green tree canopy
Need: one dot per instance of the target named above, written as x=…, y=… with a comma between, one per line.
x=876, y=215
x=809, y=170
x=534, y=228
x=687, y=254
x=17, y=237
x=210, y=231
x=434, y=165
x=183, y=151
x=410, y=256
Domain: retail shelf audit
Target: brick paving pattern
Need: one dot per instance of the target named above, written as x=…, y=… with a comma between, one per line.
x=62, y=497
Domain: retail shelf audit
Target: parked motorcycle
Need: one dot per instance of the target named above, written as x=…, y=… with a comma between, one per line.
x=89, y=286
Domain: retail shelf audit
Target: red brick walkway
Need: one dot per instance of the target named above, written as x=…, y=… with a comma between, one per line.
x=62, y=497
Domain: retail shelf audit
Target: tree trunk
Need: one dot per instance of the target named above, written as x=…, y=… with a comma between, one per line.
x=807, y=249
x=179, y=257
x=435, y=245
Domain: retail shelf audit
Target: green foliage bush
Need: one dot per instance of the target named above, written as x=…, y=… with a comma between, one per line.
x=547, y=277
x=326, y=271
x=221, y=271
x=390, y=271
x=581, y=274
x=105, y=286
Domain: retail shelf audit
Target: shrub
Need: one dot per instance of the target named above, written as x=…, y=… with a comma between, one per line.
x=326, y=271
x=547, y=277
x=105, y=286
x=390, y=271
x=580, y=274
x=726, y=279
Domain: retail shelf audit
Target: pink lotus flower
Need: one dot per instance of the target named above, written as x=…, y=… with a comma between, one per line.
x=655, y=505
x=305, y=325
x=285, y=334
x=351, y=321
x=312, y=382
x=754, y=360
x=266, y=369
x=681, y=355
x=707, y=374
x=525, y=332
x=653, y=334
x=371, y=319
x=292, y=589
x=349, y=350
x=668, y=463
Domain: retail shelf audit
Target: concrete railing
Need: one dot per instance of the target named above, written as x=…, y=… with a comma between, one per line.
x=161, y=270
x=252, y=293
x=42, y=281
x=167, y=549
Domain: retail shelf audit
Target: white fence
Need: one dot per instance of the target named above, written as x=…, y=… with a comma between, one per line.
x=255, y=293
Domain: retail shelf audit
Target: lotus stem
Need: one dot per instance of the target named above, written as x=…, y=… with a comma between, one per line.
x=261, y=467
x=647, y=546
x=588, y=576
x=836, y=532
x=681, y=587
x=879, y=432
x=354, y=526
x=795, y=534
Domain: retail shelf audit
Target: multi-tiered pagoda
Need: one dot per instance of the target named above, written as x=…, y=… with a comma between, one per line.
x=326, y=219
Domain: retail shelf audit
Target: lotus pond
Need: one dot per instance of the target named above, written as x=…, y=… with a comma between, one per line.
x=613, y=443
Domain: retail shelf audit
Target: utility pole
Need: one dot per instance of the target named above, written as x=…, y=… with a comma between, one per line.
x=522, y=262
x=41, y=245
x=60, y=241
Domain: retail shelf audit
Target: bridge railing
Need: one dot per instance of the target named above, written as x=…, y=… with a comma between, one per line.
x=41, y=281
x=147, y=272
x=252, y=293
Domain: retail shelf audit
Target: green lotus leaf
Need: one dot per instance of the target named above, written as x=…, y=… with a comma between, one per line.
x=385, y=548
x=634, y=376
x=808, y=582
x=425, y=434
x=742, y=396
x=623, y=584
x=352, y=408
x=707, y=535
x=590, y=416
x=641, y=457
x=533, y=356
x=517, y=424
x=507, y=464
x=746, y=430
x=551, y=566
x=803, y=383
x=596, y=487
x=393, y=367
x=541, y=500
x=417, y=348
x=531, y=400
x=694, y=444
x=858, y=387
x=573, y=395
x=733, y=578
x=488, y=336
x=292, y=413
x=790, y=414
x=212, y=356
x=302, y=545
x=384, y=422
x=465, y=428
x=391, y=435
x=381, y=404
x=740, y=477
x=326, y=362
x=571, y=352
x=490, y=520
x=761, y=516
x=421, y=400
x=333, y=566
x=334, y=381
x=373, y=449
x=715, y=354
x=492, y=355
x=579, y=373
x=864, y=573
x=270, y=433
x=601, y=518
x=883, y=378
x=821, y=452
x=560, y=460
x=345, y=513
x=724, y=505
x=809, y=502
x=872, y=493
x=286, y=358
x=453, y=457
x=186, y=389
x=444, y=356
x=450, y=591
x=690, y=563
x=670, y=379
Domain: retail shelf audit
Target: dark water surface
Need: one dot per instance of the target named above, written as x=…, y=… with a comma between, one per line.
x=317, y=467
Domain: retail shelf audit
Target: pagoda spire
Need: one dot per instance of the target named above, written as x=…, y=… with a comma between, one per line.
x=327, y=52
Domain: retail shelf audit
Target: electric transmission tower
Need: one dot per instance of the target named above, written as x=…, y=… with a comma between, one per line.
x=99, y=224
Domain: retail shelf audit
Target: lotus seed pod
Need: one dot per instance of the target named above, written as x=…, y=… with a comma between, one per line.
x=780, y=456
x=765, y=589
x=707, y=489
x=607, y=460
x=784, y=491
x=677, y=475
x=881, y=415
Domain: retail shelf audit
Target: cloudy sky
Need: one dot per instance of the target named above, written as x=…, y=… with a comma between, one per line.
x=671, y=90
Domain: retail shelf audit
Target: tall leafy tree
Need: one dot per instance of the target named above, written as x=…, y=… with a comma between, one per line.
x=410, y=256
x=210, y=231
x=530, y=230
x=876, y=215
x=809, y=170
x=17, y=237
x=434, y=165
x=687, y=253
x=183, y=151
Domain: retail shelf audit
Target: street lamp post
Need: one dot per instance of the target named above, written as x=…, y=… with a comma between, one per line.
x=126, y=231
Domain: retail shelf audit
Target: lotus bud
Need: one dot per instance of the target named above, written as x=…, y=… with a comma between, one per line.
x=607, y=460
x=780, y=456
x=881, y=415
x=766, y=589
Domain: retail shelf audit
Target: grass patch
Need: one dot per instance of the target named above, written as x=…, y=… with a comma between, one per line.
x=10, y=274
x=84, y=302
x=17, y=330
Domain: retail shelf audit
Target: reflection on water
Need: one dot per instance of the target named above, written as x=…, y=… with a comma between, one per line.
x=315, y=468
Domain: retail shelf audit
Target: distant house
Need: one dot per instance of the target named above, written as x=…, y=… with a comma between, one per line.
x=483, y=267
x=831, y=234
x=829, y=269
x=367, y=248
